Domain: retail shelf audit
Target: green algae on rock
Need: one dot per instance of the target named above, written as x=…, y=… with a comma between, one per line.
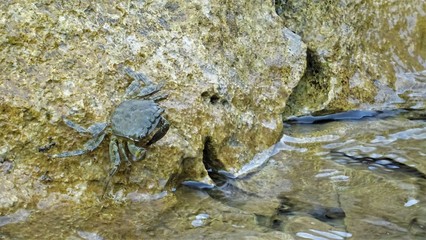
x=228, y=69
x=359, y=53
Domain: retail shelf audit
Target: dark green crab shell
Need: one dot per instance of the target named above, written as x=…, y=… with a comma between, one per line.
x=135, y=119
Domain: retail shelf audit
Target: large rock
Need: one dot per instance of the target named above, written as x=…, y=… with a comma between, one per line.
x=359, y=52
x=228, y=68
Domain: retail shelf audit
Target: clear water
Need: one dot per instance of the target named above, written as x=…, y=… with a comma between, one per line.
x=315, y=186
x=304, y=191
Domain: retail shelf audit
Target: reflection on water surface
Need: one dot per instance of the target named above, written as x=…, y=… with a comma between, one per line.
x=315, y=186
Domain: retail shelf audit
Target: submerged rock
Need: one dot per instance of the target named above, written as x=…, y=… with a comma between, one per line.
x=228, y=69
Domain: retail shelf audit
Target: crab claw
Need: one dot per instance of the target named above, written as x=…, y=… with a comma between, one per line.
x=138, y=153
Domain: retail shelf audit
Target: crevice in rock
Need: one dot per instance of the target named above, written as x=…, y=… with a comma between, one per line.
x=212, y=98
x=212, y=163
x=279, y=6
x=224, y=102
x=205, y=95
x=187, y=171
x=313, y=65
x=312, y=89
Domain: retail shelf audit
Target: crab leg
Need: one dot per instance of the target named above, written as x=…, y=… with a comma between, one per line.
x=137, y=91
x=150, y=89
x=114, y=155
x=89, y=146
x=158, y=97
x=122, y=151
x=94, y=129
x=138, y=76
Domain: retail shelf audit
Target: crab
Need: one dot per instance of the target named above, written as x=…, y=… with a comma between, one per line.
x=135, y=124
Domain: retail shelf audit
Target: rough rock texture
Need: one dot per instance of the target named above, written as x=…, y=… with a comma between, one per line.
x=228, y=68
x=358, y=52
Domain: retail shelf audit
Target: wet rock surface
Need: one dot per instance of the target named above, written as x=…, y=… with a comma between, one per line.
x=361, y=54
x=303, y=191
x=228, y=69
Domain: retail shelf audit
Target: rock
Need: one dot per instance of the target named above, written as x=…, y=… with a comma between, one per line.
x=361, y=54
x=310, y=228
x=228, y=69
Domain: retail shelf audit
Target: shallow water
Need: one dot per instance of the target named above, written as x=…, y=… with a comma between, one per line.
x=378, y=202
x=304, y=191
x=334, y=180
